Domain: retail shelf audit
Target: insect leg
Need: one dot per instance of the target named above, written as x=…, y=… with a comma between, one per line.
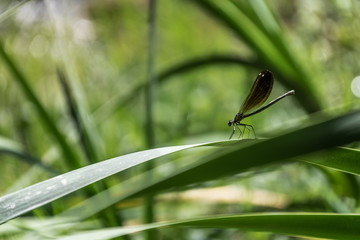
x=237, y=125
x=253, y=130
x=248, y=126
x=245, y=127
x=232, y=132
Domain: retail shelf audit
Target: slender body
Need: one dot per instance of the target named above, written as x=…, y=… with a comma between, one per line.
x=259, y=93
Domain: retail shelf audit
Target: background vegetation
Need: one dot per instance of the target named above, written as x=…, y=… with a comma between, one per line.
x=74, y=91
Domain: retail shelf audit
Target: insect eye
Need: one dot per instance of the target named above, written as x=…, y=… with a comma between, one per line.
x=229, y=123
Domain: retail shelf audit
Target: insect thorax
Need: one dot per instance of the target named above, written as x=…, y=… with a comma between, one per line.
x=238, y=117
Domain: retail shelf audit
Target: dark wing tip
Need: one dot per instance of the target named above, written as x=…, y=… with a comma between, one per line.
x=266, y=73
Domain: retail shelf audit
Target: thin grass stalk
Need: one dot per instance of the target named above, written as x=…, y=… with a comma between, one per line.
x=151, y=78
x=88, y=148
x=149, y=214
x=68, y=153
x=85, y=142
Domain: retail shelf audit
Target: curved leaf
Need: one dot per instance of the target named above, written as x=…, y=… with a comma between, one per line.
x=224, y=162
x=238, y=158
x=318, y=225
x=24, y=200
x=12, y=148
x=266, y=43
x=341, y=159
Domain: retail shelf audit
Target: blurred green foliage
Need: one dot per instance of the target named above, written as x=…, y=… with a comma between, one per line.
x=105, y=45
x=102, y=47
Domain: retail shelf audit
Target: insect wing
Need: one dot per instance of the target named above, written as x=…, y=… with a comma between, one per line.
x=260, y=91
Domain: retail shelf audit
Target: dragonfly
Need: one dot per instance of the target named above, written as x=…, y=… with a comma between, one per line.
x=259, y=93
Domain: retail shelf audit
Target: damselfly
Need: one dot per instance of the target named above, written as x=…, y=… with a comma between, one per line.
x=260, y=91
